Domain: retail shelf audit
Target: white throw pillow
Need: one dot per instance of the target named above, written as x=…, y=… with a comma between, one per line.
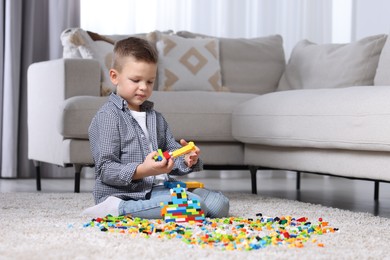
x=188, y=64
x=71, y=40
x=314, y=66
x=382, y=76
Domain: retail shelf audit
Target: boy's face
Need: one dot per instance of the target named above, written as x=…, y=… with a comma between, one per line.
x=134, y=83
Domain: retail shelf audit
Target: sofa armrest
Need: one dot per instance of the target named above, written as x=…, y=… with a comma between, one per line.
x=49, y=84
x=65, y=78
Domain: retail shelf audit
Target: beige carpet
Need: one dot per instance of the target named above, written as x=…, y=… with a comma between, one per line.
x=48, y=226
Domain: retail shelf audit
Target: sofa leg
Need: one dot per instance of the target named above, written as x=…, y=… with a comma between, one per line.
x=77, y=172
x=298, y=183
x=37, y=166
x=253, y=170
x=376, y=190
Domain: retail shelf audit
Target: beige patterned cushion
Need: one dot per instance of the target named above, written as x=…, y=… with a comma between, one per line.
x=252, y=65
x=314, y=66
x=188, y=64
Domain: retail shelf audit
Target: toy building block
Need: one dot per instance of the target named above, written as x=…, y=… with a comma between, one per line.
x=187, y=184
x=167, y=155
x=173, y=184
x=159, y=156
x=180, y=209
x=194, y=184
x=184, y=150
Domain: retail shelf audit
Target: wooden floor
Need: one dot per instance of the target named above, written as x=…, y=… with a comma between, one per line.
x=354, y=195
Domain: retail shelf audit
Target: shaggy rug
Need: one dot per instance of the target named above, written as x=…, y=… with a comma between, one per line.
x=48, y=225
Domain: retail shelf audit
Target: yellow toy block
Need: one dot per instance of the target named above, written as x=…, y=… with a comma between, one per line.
x=185, y=149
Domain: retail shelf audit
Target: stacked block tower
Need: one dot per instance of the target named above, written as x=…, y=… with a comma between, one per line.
x=180, y=209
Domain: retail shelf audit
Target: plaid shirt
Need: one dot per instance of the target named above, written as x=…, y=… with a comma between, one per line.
x=119, y=145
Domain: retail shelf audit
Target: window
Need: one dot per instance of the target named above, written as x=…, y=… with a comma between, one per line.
x=320, y=21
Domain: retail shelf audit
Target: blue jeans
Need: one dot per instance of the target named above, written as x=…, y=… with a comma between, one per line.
x=214, y=204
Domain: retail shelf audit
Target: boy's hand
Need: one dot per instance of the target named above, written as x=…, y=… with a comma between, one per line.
x=163, y=166
x=192, y=157
x=150, y=167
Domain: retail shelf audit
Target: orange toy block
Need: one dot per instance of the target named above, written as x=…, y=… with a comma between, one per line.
x=194, y=184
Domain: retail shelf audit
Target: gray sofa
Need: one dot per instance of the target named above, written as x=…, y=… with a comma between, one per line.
x=322, y=112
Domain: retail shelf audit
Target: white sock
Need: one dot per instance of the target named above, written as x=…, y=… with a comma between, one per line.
x=109, y=206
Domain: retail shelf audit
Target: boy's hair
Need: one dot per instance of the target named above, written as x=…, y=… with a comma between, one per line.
x=135, y=47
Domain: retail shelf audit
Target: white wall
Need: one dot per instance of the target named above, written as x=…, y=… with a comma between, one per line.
x=370, y=17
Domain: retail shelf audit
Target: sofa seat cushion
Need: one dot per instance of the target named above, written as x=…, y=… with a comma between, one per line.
x=199, y=115
x=193, y=115
x=355, y=118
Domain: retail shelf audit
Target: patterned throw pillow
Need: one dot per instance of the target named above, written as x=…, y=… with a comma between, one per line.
x=248, y=65
x=188, y=64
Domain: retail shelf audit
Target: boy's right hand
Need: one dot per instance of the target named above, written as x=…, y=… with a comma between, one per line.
x=150, y=167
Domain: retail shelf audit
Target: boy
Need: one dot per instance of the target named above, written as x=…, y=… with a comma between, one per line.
x=125, y=135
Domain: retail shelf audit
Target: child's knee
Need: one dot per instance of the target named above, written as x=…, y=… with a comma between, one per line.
x=217, y=204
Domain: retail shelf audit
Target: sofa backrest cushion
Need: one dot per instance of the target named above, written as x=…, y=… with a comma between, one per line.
x=249, y=65
x=314, y=66
x=188, y=64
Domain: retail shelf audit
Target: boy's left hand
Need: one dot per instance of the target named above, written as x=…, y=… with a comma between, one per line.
x=192, y=157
